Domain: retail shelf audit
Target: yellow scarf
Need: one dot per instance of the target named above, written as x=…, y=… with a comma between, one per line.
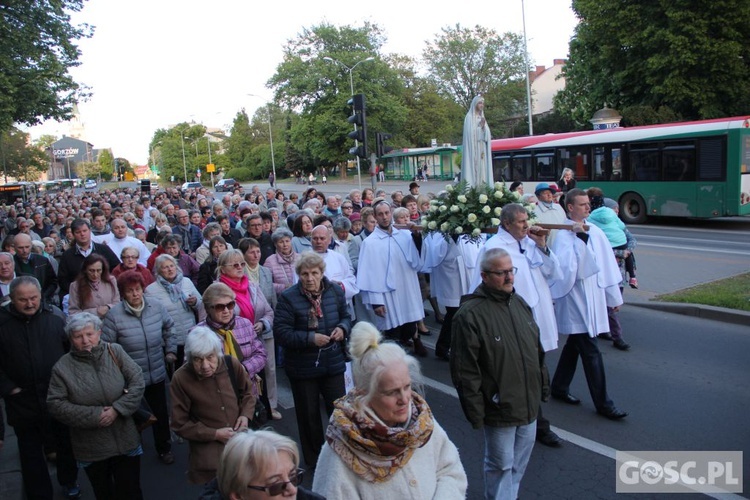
x=230, y=343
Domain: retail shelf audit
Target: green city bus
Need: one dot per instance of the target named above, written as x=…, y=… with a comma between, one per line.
x=695, y=169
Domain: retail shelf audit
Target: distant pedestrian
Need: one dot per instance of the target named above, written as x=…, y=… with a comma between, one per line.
x=271, y=179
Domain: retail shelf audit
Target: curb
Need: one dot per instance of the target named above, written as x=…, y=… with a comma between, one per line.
x=714, y=313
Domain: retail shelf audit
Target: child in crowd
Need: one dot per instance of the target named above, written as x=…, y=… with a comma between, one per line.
x=604, y=215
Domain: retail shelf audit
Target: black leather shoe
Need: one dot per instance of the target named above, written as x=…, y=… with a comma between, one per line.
x=605, y=336
x=550, y=439
x=566, y=398
x=621, y=345
x=613, y=413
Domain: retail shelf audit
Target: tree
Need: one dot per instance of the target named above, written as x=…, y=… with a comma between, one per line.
x=106, y=164
x=88, y=169
x=45, y=141
x=464, y=63
x=690, y=57
x=19, y=160
x=37, y=48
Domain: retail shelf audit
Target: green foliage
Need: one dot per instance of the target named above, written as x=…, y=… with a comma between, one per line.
x=19, y=160
x=691, y=57
x=550, y=123
x=465, y=63
x=88, y=169
x=45, y=141
x=123, y=165
x=634, y=116
x=37, y=48
x=241, y=174
x=106, y=164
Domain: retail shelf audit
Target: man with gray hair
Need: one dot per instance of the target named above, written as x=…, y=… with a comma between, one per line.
x=32, y=339
x=31, y=264
x=7, y=274
x=497, y=367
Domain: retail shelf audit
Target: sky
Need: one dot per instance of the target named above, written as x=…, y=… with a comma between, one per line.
x=155, y=63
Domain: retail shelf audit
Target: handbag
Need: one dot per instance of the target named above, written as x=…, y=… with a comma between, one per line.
x=143, y=416
x=260, y=415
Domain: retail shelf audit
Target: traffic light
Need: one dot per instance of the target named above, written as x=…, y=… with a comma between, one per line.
x=381, y=148
x=359, y=119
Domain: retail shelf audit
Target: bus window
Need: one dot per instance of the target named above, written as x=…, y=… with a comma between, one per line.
x=545, y=170
x=678, y=161
x=616, y=164
x=501, y=167
x=711, y=163
x=522, y=168
x=600, y=167
x=576, y=159
x=644, y=162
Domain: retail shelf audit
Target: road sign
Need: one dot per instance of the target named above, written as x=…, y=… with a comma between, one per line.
x=211, y=168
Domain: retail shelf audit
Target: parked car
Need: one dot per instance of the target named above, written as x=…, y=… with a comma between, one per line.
x=90, y=184
x=225, y=185
x=191, y=185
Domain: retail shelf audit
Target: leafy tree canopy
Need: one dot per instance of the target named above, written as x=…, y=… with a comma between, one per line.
x=19, y=160
x=37, y=48
x=691, y=57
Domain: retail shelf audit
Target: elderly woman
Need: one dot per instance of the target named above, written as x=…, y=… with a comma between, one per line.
x=95, y=290
x=179, y=296
x=281, y=263
x=259, y=465
x=211, y=400
x=129, y=262
x=210, y=231
x=383, y=441
x=207, y=271
x=94, y=390
x=251, y=302
x=262, y=277
x=161, y=222
x=302, y=229
x=312, y=323
x=171, y=244
x=141, y=326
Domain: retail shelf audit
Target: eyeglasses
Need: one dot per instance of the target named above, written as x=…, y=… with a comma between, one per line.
x=295, y=479
x=129, y=257
x=236, y=265
x=505, y=273
x=221, y=307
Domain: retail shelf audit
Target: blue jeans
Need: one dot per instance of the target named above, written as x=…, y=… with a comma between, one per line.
x=506, y=453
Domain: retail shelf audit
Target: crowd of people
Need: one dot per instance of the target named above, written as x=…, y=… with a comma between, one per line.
x=185, y=304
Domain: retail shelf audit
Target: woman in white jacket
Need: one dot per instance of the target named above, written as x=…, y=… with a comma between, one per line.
x=179, y=297
x=382, y=440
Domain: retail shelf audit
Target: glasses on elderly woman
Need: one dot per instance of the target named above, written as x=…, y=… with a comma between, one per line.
x=236, y=265
x=295, y=479
x=222, y=307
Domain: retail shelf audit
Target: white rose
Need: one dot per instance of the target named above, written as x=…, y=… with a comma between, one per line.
x=472, y=218
x=498, y=211
x=498, y=195
x=432, y=225
x=495, y=222
x=454, y=208
x=532, y=222
x=482, y=198
x=461, y=198
x=499, y=186
x=433, y=208
x=443, y=208
x=516, y=195
x=444, y=227
x=449, y=188
x=476, y=232
x=486, y=209
x=459, y=230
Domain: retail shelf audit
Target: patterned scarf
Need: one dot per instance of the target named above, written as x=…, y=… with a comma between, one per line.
x=315, y=310
x=226, y=333
x=370, y=449
x=289, y=259
x=174, y=289
x=242, y=291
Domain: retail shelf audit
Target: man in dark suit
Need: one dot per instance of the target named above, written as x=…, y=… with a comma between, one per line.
x=31, y=264
x=72, y=259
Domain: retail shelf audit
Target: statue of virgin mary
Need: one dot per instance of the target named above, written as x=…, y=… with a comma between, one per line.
x=476, y=162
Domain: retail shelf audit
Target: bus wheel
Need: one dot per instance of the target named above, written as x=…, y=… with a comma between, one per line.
x=632, y=209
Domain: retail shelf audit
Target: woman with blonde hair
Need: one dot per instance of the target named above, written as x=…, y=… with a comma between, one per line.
x=259, y=465
x=382, y=434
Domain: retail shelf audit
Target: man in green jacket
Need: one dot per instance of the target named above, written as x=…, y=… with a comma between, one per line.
x=497, y=366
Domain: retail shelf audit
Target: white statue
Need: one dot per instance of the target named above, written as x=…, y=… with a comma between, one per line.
x=476, y=162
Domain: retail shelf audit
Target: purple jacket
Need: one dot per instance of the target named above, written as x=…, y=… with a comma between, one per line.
x=250, y=344
x=283, y=273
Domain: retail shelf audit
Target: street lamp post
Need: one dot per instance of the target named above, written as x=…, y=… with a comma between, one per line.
x=184, y=163
x=208, y=140
x=270, y=137
x=351, y=88
x=526, y=59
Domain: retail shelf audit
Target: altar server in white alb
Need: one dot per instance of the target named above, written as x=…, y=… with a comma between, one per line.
x=338, y=267
x=447, y=261
x=387, y=279
x=589, y=283
x=536, y=265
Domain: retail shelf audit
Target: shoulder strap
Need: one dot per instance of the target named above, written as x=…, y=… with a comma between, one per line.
x=232, y=376
x=114, y=358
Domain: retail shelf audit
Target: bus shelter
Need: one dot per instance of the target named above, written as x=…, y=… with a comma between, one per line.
x=442, y=162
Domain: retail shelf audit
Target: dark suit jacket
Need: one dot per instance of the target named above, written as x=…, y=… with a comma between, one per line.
x=72, y=261
x=41, y=269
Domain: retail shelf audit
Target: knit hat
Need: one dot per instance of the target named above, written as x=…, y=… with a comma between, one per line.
x=355, y=217
x=610, y=203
